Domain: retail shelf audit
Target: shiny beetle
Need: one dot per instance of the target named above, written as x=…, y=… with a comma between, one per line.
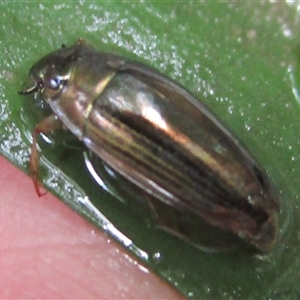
x=162, y=140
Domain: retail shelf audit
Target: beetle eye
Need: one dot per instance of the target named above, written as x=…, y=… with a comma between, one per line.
x=53, y=83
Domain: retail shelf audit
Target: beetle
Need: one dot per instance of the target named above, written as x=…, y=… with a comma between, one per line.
x=162, y=140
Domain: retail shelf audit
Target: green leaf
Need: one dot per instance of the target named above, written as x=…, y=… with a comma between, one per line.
x=242, y=59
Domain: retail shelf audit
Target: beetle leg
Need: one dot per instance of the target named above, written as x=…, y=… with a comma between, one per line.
x=48, y=124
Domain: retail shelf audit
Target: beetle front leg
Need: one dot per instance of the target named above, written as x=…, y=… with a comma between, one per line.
x=47, y=125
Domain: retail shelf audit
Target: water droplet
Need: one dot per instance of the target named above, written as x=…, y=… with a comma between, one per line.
x=248, y=127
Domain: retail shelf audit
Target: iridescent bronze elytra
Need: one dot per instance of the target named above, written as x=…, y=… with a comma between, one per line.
x=163, y=140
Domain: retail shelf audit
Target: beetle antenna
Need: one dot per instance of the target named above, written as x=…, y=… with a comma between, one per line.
x=30, y=90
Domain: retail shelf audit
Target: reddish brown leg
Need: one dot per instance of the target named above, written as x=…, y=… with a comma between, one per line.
x=48, y=124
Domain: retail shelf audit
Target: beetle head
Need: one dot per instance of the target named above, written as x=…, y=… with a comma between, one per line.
x=50, y=75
